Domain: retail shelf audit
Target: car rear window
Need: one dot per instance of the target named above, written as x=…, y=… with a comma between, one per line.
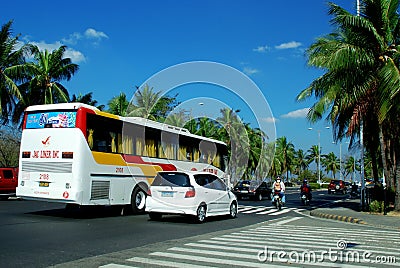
x=171, y=179
x=244, y=183
x=8, y=174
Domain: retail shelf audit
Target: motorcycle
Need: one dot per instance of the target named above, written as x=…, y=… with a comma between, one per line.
x=278, y=200
x=305, y=199
x=354, y=194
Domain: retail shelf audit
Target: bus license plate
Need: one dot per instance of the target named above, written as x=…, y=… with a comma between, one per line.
x=167, y=194
x=44, y=184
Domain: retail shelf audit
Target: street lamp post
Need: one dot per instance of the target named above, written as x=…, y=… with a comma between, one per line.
x=340, y=159
x=319, y=154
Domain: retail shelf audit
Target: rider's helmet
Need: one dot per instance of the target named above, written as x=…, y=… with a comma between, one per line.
x=305, y=181
x=278, y=179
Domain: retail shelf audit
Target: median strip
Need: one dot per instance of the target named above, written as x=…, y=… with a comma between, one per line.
x=337, y=217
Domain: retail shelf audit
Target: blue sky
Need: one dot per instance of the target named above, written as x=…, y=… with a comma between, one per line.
x=121, y=44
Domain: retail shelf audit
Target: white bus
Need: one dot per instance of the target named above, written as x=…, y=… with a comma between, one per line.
x=75, y=154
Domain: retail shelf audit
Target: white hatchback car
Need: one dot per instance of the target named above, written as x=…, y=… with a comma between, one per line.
x=199, y=194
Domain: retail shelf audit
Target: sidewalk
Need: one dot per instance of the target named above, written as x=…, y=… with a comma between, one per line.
x=348, y=210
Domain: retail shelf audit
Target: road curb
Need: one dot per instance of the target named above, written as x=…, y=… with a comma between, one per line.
x=337, y=217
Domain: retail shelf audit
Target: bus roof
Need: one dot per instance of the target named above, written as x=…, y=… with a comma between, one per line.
x=137, y=120
x=60, y=106
x=166, y=127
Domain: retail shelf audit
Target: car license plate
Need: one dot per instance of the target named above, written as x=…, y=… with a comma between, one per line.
x=244, y=191
x=167, y=194
x=44, y=184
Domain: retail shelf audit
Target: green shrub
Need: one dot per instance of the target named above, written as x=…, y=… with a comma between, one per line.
x=315, y=185
x=376, y=206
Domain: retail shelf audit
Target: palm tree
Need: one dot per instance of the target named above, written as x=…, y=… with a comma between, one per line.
x=314, y=156
x=87, y=99
x=361, y=83
x=253, y=145
x=235, y=134
x=286, y=152
x=331, y=163
x=47, y=71
x=12, y=67
x=301, y=161
x=177, y=119
x=350, y=167
x=144, y=102
x=207, y=128
x=276, y=166
x=118, y=105
x=45, y=74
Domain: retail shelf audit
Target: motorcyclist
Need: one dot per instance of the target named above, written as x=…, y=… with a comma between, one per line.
x=305, y=189
x=354, y=189
x=279, y=186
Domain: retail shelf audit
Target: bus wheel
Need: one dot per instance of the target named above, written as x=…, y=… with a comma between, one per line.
x=138, y=200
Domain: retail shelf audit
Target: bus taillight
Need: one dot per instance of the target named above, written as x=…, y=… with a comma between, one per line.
x=69, y=155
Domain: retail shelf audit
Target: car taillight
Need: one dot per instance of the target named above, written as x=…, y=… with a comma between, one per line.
x=190, y=193
x=148, y=192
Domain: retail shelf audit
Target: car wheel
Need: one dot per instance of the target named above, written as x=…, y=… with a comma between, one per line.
x=201, y=214
x=155, y=216
x=233, y=210
x=138, y=200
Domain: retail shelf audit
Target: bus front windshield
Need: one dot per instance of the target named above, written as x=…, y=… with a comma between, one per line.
x=51, y=119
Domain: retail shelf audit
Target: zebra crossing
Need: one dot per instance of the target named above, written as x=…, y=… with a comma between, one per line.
x=278, y=243
x=266, y=210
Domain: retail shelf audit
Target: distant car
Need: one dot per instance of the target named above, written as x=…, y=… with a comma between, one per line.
x=369, y=183
x=254, y=189
x=8, y=182
x=337, y=186
x=197, y=194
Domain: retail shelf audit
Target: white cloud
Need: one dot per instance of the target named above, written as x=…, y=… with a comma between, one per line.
x=270, y=119
x=262, y=49
x=292, y=44
x=301, y=113
x=72, y=39
x=50, y=47
x=75, y=55
x=91, y=33
x=250, y=71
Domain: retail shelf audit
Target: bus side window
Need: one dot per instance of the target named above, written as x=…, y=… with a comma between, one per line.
x=104, y=134
x=101, y=146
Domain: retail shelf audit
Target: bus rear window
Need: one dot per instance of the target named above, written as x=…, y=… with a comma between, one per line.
x=51, y=119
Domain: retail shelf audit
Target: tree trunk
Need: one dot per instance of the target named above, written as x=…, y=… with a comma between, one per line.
x=386, y=172
x=396, y=163
x=397, y=189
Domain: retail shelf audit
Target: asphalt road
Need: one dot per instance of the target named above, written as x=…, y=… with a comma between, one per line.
x=41, y=234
